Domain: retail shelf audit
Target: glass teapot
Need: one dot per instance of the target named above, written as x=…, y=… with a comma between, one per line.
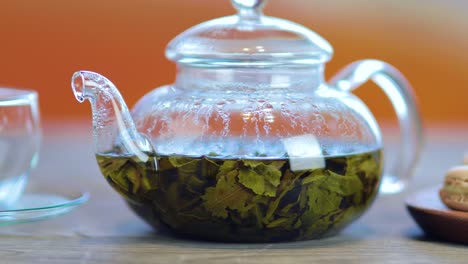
x=250, y=143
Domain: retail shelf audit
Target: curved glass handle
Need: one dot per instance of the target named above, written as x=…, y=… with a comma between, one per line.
x=401, y=95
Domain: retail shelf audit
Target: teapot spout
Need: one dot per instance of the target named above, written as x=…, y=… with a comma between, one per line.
x=113, y=128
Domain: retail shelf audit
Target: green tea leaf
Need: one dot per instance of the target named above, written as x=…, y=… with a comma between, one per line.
x=315, y=178
x=286, y=210
x=252, y=163
x=110, y=164
x=287, y=184
x=227, y=194
x=278, y=164
x=370, y=168
x=317, y=228
x=322, y=202
x=212, y=204
x=284, y=222
x=195, y=185
x=262, y=180
x=149, y=181
x=172, y=199
x=357, y=198
x=134, y=176
x=342, y=185
x=188, y=171
x=250, y=179
x=120, y=178
x=209, y=168
x=180, y=161
x=258, y=215
x=272, y=175
x=227, y=167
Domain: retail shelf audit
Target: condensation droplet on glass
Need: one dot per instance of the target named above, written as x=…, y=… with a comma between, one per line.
x=247, y=115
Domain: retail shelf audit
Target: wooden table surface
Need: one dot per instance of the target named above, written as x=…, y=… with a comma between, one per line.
x=104, y=230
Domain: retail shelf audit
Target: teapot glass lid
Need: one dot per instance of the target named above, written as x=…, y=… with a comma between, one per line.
x=249, y=38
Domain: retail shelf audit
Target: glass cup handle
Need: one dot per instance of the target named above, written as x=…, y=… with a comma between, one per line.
x=401, y=95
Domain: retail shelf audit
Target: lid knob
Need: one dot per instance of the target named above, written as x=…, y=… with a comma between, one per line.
x=248, y=6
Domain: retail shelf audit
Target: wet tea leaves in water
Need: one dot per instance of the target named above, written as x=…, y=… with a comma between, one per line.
x=260, y=178
x=228, y=194
x=245, y=200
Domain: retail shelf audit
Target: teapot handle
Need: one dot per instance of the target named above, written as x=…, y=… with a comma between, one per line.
x=401, y=95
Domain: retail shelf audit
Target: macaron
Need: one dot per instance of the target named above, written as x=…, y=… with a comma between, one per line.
x=454, y=193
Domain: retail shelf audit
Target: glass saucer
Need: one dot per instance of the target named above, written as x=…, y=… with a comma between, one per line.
x=33, y=207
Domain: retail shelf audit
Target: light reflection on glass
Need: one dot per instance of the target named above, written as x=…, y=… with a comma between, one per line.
x=269, y=118
x=260, y=48
x=304, y=152
x=246, y=116
x=280, y=81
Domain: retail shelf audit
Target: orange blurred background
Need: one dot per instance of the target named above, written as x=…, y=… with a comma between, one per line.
x=43, y=42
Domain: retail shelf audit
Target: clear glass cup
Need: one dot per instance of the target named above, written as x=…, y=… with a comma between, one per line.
x=20, y=136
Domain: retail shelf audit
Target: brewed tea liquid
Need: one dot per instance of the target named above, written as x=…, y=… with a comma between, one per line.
x=246, y=199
